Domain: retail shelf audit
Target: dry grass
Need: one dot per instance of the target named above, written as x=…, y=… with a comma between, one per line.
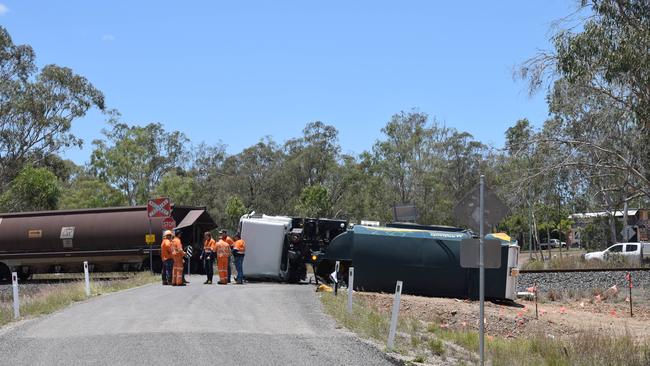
x=429, y=341
x=577, y=262
x=49, y=298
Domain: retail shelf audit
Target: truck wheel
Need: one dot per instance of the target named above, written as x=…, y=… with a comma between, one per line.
x=296, y=274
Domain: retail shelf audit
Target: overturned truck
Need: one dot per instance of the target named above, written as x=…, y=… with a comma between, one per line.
x=280, y=248
x=425, y=258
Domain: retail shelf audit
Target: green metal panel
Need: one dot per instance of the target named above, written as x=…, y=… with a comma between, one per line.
x=428, y=262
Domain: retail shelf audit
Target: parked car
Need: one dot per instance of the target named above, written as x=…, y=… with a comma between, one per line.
x=631, y=252
x=553, y=243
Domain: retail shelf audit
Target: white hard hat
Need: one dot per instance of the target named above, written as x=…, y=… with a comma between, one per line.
x=168, y=233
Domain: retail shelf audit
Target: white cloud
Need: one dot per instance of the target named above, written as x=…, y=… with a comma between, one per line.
x=3, y=9
x=108, y=38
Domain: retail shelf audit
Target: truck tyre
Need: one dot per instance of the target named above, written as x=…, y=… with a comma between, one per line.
x=297, y=273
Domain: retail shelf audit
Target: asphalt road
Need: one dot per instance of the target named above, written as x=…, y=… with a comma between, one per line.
x=254, y=324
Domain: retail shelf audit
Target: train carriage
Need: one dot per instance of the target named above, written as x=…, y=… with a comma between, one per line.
x=110, y=239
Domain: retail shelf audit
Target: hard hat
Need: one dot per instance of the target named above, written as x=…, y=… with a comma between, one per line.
x=167, y=233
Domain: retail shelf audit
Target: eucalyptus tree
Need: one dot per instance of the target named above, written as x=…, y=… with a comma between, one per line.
x=37, y=107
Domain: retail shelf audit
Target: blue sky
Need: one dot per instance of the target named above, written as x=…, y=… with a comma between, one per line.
x=237, y=71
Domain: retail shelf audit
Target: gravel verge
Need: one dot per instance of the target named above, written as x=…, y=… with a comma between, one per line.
x=582, y=281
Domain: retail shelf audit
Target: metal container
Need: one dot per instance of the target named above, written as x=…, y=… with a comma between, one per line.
x=427, y=261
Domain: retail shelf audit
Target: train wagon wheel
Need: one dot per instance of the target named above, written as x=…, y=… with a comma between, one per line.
x=5, y=273
x=24, y=276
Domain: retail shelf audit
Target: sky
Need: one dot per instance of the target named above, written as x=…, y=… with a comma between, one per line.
x=237, y=71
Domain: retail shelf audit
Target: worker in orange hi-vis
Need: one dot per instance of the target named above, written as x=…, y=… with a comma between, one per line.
x=178, y=254
x=223, y=234
x=167, y=258
x=239, y=250
x=208, y=256
x=223, y=257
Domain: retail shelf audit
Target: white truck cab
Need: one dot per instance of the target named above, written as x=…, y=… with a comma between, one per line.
x=629, y=251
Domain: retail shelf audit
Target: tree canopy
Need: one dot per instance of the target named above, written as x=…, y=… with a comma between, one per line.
x=590, y=154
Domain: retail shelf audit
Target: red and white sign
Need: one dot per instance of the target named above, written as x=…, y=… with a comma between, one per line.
x=159, y=207
x=168, y=223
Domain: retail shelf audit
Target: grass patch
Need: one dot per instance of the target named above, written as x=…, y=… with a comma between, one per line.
x=436, y=347
x=423, y=340
x=577, y=262
x=47, y=299
x=363, y=320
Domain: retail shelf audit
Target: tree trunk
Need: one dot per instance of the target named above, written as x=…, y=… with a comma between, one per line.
x=537, y=235
x=612, y=227
x=625, y=219
x=548, y=242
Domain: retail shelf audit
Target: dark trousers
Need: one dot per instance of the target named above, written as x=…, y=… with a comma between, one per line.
x=167, y=270
x=229, y=268
x=239, y=265
x=208, y=265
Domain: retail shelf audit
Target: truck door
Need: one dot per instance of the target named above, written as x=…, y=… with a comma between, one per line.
x=632, y=253
x=613, y=251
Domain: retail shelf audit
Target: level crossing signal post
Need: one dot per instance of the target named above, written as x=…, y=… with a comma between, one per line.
x=157, y=207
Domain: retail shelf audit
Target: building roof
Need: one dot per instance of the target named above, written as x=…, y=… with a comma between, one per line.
x=589, y=215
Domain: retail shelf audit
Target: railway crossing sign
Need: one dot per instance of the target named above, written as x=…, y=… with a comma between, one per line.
x=628, y=232
x=468, y=213
x=189, y=251
x=159, y=207
x=168, y=223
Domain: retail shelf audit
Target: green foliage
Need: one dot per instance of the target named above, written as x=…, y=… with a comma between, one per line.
x=235, y=209
x=596, y=234
x=314, y=202
x=180, y=188
x=595, y=143
x=436, y=347
x=88, y=192
x=37, y=107
x=133, y=159
x=33, y=189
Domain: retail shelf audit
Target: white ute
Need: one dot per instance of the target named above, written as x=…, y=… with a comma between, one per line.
x=631, y=252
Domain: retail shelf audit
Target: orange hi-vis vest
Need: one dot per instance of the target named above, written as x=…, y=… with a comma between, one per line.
x=177, y=251
x=223, y=249
x=230, y=241
x=210, y=245
x=166, y=250
x=240, y=246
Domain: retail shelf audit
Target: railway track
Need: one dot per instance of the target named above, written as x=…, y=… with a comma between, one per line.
x=585, y=270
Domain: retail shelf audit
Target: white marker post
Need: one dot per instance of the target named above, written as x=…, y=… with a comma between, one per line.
x=87, y=278
x=14, y=284
x=350, y=288
x=481, y=266
x=393, y=317
x=335, y=276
